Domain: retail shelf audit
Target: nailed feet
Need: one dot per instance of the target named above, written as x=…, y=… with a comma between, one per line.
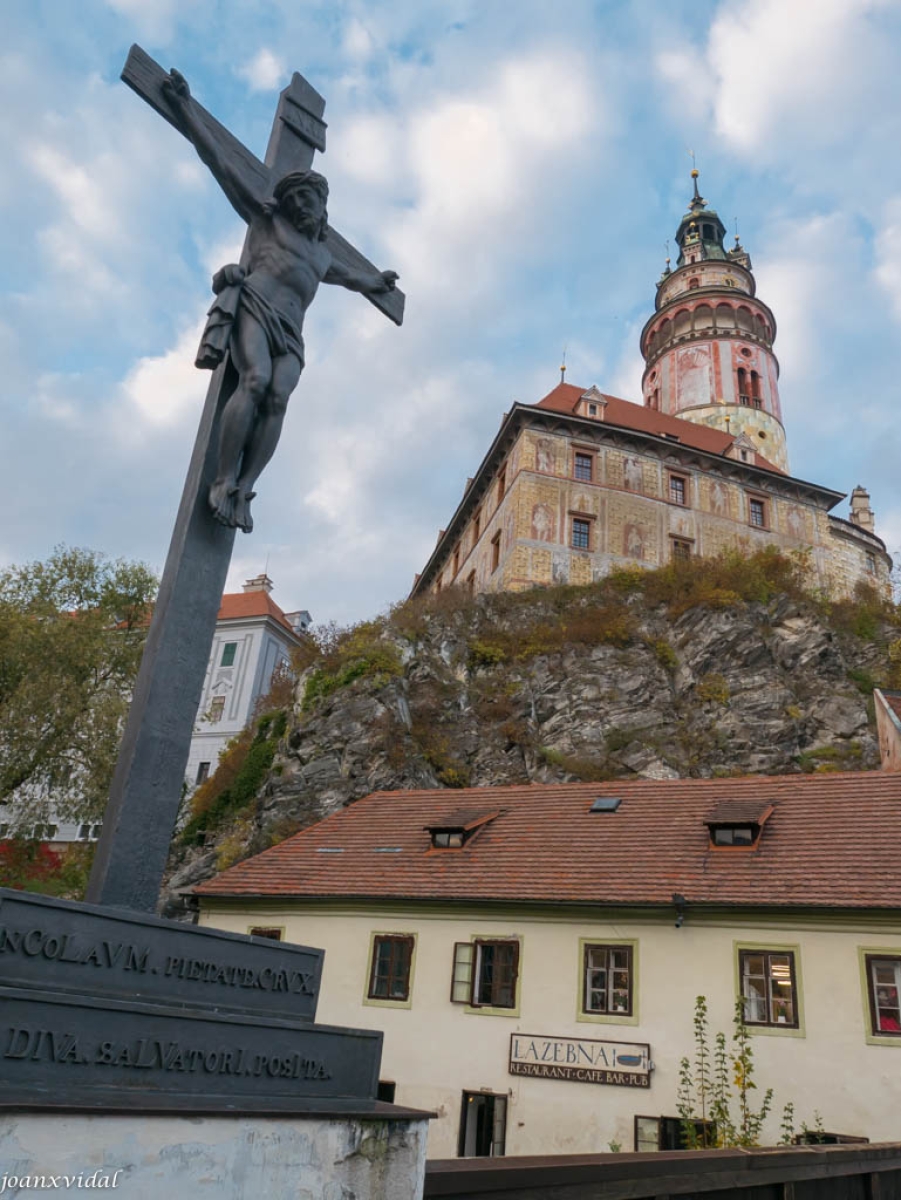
x=230, y=505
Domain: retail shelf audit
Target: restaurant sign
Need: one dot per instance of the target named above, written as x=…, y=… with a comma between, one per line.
x=583, y=1060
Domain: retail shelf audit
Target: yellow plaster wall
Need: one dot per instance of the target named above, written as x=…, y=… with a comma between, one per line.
x=634, y=521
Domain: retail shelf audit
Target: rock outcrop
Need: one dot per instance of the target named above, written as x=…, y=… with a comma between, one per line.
x=565, y=686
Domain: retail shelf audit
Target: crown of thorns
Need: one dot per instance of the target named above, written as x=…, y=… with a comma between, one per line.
x=300, y=179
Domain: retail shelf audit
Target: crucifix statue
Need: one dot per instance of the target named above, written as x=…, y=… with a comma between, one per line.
x=259, y=309
x=253, y=343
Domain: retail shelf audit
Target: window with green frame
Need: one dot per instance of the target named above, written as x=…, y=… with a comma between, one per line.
x=485, y=973
x=607, y=980
x=768, y=987
x=229, y=650
x=884, y=994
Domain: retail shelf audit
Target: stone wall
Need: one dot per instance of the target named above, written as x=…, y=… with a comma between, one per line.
x=224, y=1158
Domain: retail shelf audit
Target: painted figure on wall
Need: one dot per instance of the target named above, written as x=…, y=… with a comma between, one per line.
x=544, y=456
x=543, y=523
x=632, y=474
x=718, y=498
x=633, y=541
x=694, y=377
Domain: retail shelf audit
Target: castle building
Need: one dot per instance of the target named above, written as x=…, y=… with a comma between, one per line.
x=583, y=482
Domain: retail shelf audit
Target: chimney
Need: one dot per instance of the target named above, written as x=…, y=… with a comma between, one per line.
x=259, y=583
x=861, y=513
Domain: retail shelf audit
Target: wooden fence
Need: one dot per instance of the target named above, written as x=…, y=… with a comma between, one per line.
x=857, y=1172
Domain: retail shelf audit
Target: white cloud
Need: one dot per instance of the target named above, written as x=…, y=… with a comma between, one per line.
x=686, y=69
x=264, y=72
x=163, y=390
x=86, y=199
x=888, y=254
x=370, y=148
x=625, y=380
x=53, y=399
x=798, y=275
x=487, y=168
x=357, y=40
x=773, y=72
x=154, y=19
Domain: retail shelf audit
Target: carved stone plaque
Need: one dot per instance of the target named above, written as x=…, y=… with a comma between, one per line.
x=105, y=1008
x=61, y=1051
x=61, y=946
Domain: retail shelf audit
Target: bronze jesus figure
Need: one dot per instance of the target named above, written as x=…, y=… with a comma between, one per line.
x=258, y=312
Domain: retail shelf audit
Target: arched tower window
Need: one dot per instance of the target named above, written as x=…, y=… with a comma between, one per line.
x=755, y=390
x=703, y=317
x=744, y=396
x=725, y=317
x=693, y=283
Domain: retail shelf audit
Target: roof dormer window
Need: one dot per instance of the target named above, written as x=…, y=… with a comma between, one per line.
x=737, y=824
x=734, y=835
x=456, y=829
x=448, y=839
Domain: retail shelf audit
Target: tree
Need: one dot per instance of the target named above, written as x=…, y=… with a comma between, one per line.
x=72, y=631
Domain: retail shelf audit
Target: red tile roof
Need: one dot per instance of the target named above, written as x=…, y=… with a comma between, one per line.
x=566, y=396
x=832, y=840
x=236, y=605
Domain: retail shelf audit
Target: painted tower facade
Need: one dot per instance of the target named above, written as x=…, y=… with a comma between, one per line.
x=709, y=345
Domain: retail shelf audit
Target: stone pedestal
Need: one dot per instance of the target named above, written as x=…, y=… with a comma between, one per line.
x=142, y=1156
x=163, y=1060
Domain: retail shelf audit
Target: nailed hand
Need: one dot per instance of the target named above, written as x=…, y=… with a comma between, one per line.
x=175, y=88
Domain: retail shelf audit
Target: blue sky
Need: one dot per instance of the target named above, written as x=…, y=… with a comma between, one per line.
x=521, y=165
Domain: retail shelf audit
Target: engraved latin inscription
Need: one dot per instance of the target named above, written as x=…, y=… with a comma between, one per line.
x=159, y=1054
x=68, y=948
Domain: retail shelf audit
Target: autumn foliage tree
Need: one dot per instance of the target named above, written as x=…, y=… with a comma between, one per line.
x=72, y=631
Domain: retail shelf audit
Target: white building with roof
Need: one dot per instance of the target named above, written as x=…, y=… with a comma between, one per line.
x=254, y=639
x=533, y=954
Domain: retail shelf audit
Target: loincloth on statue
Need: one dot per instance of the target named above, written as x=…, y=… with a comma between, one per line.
x=233, y=292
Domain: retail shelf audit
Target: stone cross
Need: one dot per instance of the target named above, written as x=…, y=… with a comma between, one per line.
x=148, y=781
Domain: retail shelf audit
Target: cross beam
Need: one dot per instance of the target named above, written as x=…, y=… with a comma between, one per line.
x=297, y=133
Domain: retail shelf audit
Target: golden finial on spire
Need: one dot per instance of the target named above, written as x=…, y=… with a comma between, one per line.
x=563, y=367
x=697, y=198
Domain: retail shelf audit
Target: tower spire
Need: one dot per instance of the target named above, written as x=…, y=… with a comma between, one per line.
x=708, y=347
x=697, y=200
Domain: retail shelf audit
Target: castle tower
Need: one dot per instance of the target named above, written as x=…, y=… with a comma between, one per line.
x=709, y=345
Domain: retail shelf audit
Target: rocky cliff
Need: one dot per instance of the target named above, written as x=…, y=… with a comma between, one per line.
x=685, y=672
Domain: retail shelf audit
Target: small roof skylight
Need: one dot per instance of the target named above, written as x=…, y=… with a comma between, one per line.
x=606, y=804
